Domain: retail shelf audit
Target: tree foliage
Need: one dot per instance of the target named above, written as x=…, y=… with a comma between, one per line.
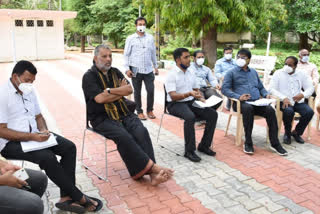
x=114, y=19
x=210, y=17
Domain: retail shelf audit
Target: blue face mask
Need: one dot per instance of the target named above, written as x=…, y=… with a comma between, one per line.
x=183, y=66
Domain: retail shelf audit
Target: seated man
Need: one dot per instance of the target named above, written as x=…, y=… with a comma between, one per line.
x=307, y=67
x=224, y=64
x=18, y=196
x=287, y=84
x=21, y=121
x=104, y=88
x=243, y=83
x=182, y=89
x=204, y=74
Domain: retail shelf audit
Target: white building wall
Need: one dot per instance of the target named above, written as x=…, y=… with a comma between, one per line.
x=6, y=50
x=31, y=43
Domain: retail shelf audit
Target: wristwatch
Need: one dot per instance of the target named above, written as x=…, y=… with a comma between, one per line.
x=108, y=90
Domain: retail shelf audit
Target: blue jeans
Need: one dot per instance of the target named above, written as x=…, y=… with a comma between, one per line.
x=288, y=113
x=19, y=201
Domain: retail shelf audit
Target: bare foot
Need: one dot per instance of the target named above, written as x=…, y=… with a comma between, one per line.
x=158, y=178
x=156, y=169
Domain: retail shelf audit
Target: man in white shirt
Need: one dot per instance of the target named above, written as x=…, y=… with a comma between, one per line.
x=203, y=75
x=182, y=90
x=140, y=59
x=21, y=121
x=287, y=84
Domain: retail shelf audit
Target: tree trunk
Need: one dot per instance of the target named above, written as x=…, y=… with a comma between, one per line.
x=83, y=43
x=303, y=43
x=209, y=45
x=194, y=40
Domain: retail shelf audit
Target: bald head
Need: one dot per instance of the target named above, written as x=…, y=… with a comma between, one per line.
x=304, y=55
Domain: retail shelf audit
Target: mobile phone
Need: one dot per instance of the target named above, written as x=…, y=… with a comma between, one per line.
x=21, y=174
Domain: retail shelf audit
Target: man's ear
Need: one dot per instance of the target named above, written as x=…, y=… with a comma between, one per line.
x=95, y=59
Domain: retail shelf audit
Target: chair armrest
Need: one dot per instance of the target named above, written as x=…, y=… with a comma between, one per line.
x=311, y=102
x=238, y=104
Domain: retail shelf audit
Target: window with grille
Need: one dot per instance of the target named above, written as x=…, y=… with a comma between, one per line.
x=18, y=23
x=49, y=23
x=30, y=23
x=40, y=23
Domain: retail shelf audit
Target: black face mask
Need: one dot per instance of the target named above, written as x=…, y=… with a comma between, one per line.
x=183, y=66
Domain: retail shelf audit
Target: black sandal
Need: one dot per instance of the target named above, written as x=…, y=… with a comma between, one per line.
x=67, y=206
x=88, y=203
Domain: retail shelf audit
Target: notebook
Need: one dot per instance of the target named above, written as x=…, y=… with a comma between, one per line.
x=30, y=146
x=211, y=101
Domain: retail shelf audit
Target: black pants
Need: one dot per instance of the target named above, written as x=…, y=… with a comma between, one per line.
x=248, y=111
x=19, y=201
x=208, y=92
x=148, y=80
x=61, y=173
x=288, y=113
x=133, y=142
x=188, y=113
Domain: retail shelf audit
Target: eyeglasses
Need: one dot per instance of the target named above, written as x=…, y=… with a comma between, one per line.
x=242, y=57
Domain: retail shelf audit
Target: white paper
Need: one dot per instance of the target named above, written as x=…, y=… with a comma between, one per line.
x=261, y=102
x=211, y=101
x=30, y=146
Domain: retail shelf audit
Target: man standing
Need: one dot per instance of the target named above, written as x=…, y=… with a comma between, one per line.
x=224, y=64
x=104, y=88
x=243, y=83
x=21, y=121
x=287, y=84
x=182, y=90
x=140, y=59
x=203, y=75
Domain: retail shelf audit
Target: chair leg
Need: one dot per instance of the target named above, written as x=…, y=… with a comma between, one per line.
x=317, y=122
x=239, y=131
x=88, y=168
x=309, y=131
x=227, y=128
x=160, y=127
x=267, y=129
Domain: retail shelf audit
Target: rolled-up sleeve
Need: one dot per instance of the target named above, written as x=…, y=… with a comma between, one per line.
x=170, y=83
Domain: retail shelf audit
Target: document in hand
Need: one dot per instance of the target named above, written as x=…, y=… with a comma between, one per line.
x=30, y=146
x=261, y=102
x=211, y=101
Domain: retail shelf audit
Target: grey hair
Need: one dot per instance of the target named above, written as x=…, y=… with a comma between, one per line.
x=97, y=49
x=302, y=50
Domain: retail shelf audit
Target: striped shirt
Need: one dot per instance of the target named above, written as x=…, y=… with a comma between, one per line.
x=140, y=52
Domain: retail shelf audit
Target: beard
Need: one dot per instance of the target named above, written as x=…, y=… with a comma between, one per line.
x=103, y=67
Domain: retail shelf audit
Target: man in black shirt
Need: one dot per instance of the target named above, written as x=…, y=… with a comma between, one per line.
x=104, y=88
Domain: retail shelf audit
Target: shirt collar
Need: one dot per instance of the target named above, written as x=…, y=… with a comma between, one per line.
x=178, y=70
x=137, y=35
x=306, y=63
x=11, y=87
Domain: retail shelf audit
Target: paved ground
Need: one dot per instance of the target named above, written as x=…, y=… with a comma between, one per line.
x=232, y=182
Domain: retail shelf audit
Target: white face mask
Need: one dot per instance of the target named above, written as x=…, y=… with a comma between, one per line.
x=26, y=88
x=141, y=28
x=305, y=59
x=228, y=56
x=241, y=62
x=287, y=69
x=200, y=61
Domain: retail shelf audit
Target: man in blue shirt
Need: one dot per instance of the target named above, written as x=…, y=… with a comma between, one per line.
x=224, y=64
x=243, y=83
x=203, y=75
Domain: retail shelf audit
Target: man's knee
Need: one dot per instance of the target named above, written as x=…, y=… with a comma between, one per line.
x=211, y=114
x=246, y=108
x=288, y=112
x=270, y=110
x=29, y=204
x=47, y=159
